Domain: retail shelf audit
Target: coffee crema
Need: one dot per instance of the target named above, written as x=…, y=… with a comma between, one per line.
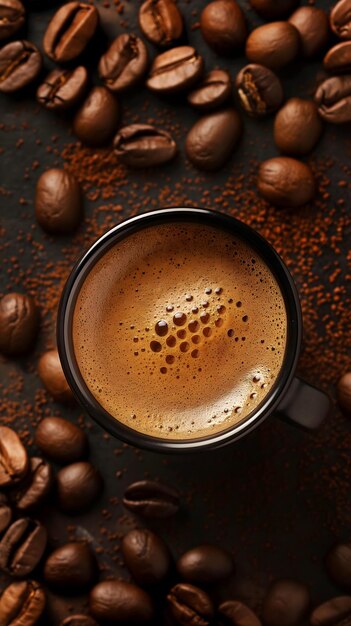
x=179, y=330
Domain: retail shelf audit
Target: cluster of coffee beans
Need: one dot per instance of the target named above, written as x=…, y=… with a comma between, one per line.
x=295, y=32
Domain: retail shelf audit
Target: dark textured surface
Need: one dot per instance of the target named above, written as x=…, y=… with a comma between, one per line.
x=263, y=499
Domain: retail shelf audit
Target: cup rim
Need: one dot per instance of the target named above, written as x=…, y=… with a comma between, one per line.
x=154, y=218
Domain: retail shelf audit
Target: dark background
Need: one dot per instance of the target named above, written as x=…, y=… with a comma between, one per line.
x=279, y=499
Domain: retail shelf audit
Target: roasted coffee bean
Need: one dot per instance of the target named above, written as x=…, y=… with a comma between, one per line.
x=273, y=10
x=338, y=564
x=161, y=21
x=223, y=26
x=286, y=182
x=333, y=98
x=79, y=620
x=334, y=612
x=344, y=392
x=175, y=70
x=190, y=605
x=286, y=603
x=70, y=30
x=205, y=564
x=22, y=547
x=21, y=604
x=20, y=64
x=151, y=499
x=146, y=556
x=213, y=138
x=235, y=613
x=36, y=486
x=71, y=567
x=313, y=26
x=260, y=90
x=63, y=89
x=61, y=440
x=97, y=119
x=14, y=460
x=142, y=145
x=297, y=127
x=19, y=323
x=78, y=486
x=340, y=19
x=338, y=59
x=120, y=603
x=58, y=203
x=213, y=91
x=273, y=45
x=5, y=513
x=12, y=17
x=49, y=367
x=125, y=63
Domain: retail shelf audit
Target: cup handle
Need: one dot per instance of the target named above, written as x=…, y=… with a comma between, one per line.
x=304, y=405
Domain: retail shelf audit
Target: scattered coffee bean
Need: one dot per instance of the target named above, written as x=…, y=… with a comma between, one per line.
x=213, y=91
x=336, y=611
x=260, y=90
x=71, y=567
x=61, y=440
x=142, y=145
x=5, y=513
x=286, y=603
x=213, y=138
x=125, y=63
x=205, y=564
x=151, y=499
x=333, y=98
x=21, y=604
x=344, y=392
x=78, y=486
x=69, y=31
x=120, y=602
x=190, y=605
x=19, y=322
x=313, y=26
x=79, y=620
x=338, y=59
x=147, y=557
x=22, y=547
x=235, y=613
x=175, y=70
x=12, y=17
x=63, y=89
x=223, y=26
x=97, y=119
x=286, y=182
x=273, y=10
x=14, y=460
x=297, y=127
x=58, y=202
x=36, y=486
x=273, y=45
x=340, y=19
x=338, y=564
x=20, y=64
x=161, y=21
x=51, y=375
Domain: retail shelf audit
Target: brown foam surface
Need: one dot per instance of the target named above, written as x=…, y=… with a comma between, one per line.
x=179, y=331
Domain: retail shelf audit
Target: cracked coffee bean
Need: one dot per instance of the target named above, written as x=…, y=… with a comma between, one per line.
x=142, y=145
x=19, y=323
x=22, y=604
x=58, y=209
x=151, y=499
x=71, y=567
x=121, y=603
x=78, y=486
x=20, y=64
x=338, y=564
x=125, y=63
x=97, y=119
x=223, y=26
x=273, y=9
x=344, y=392
x=49, y=367
x=340, y=19
x=212, y=92
x=61, y=440
x=286, y=182
x=12, y=17
x=14, y=460
x=69, y=31
x=213, y=138
x=63, y=89
x=190, y=605
x=147, y=557
x=273, y=45
x=338, y=59
x=333, y=98
x=297, y=127
x=5, y=513
x=334, y=612
x=205, y=564
x=22, y=547
x=36, y=486
x=286, y=603
x=235, y=613
x=79, y=620
x=313, y=26
x=161, y=21
x=260, y=90
x=175, y=70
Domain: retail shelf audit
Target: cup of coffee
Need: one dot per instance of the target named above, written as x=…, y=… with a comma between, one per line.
x=180, y=330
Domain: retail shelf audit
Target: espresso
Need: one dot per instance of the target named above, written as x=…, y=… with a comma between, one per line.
x=179, y=330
